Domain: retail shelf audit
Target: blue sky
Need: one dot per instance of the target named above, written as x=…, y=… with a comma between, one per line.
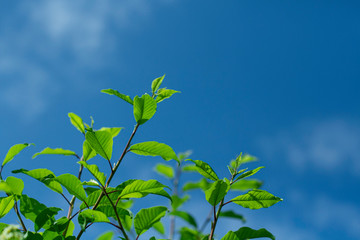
x=276, y=79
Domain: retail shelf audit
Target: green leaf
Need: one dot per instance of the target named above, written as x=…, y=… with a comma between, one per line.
x=202, y=184
x=153, y=148
x=158, y=226
x=101, y=142
x=232, y=214
x=248, y=233
x=140, y=188
x=30, y=207
x=165, y=170
x=190, y=234
x=88, y=151
x=189, y=168
x=185, y=216
x=184, y=155
x=256, y=199
x=6, y=204
x=91, y=182
x=93, y=197
x=32, y=236
x=114, y=131
x=13, y=151
x=177, y=201
x=217, y=192
x=72, y=184
x=248, y=173
x=144, y=108
x=164, y=93
x=127, y=222
x=106, y=236
x=16, y=185
x=156, y=83
x=94, y=170
x=77, y=122
x=204, y=169
x=108, y=210
x=58, y=151
x=120, y=95
x=146, y=218
x=246, y=184
x=89, y=216
x=59, y=226
x=46, y=218
x=248, y=158
x=43, y=175
x=2, y=226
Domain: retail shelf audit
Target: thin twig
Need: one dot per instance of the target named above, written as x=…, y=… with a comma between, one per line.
x=113, y=172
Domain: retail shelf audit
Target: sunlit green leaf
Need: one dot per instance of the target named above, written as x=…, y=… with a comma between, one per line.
x=6, y=204
x=153, y=148
x=101, y=142
x=256, y=199
x=106, y=236
x=190, y=234
x=114, y=131
x=140, y=188
x=15, y=184
x=58, y=151
x=94, y=170
x=156, y=83
x=144, y=108
x=43, y=175
x=185, y=216
x=177, y=201
x=146, y=217
x=164, y=170
x=89, y=216
x=108, y=210
x=72, y=184
x=246, y=184
x=184, y=155
x=217, y=192
x=232, y=214
x=204, y=169
x=189, y=168
x=248, y=233
x=120, y=95
x=158, y=226
x=15, y=150
x=93, y=197
x=91, y=182
x=248, y=173
x=164, y=93
x=127, y=222
x=202, y=184
x=77, y=122
x=88, y=151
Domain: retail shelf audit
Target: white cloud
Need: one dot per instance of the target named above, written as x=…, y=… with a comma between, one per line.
x=43, y=31
x=330, y=145
x=323, y=213
x=327, y=214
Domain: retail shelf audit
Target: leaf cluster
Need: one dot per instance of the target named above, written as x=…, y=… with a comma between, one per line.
x=103, y=202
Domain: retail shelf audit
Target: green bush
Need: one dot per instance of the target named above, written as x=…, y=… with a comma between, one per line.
x=103, y=202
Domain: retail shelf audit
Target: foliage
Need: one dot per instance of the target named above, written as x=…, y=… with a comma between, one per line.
x=103, y=202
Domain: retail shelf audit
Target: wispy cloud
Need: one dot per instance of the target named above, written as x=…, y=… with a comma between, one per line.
x=46, y=34
x=324, y=213
x=331, y=145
